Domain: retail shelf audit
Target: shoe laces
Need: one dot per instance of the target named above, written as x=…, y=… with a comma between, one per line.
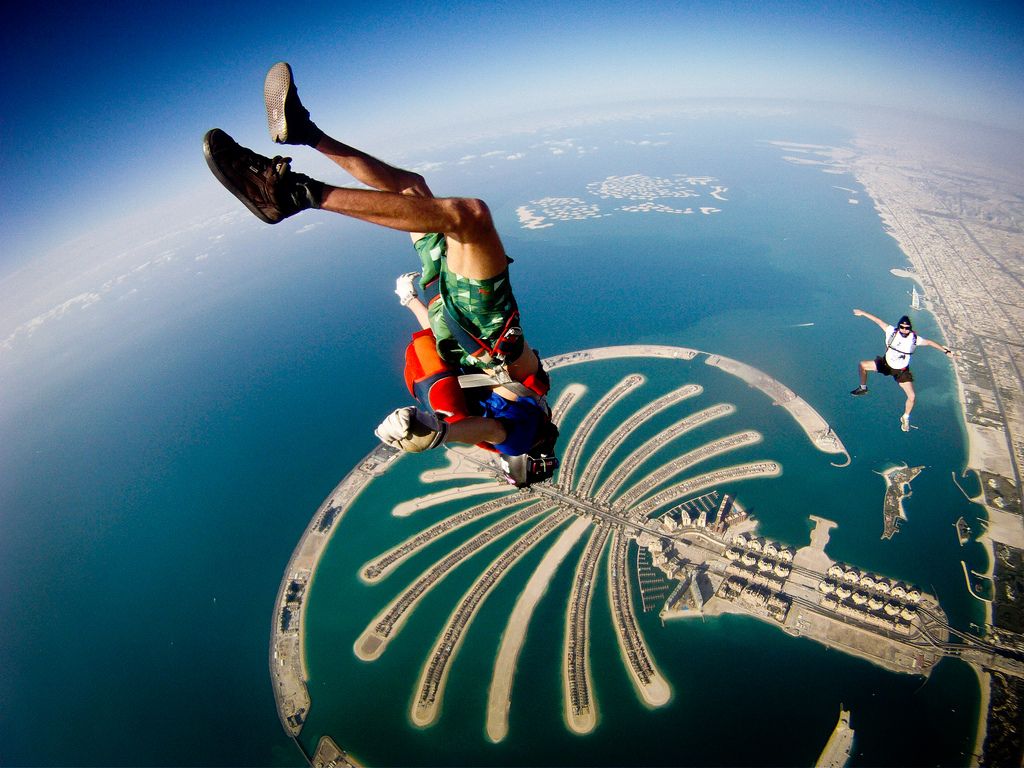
x=290, y=185
x=280, y=166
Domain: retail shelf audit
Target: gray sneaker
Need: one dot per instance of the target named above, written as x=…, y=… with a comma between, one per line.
x=861, y=390
x=287, y=120
x=266, y=186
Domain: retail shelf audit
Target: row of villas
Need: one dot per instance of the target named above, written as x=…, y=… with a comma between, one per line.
x=387, y=623
x=873, y=583
x=862, y=602
x=464, y=613
x=756, y=575
x=761, y=598
x=374, y=570
x=763, y=546
x=764, y=564
x=576, y=659
x=622, y=607
x=887, y=619
x=761, y=578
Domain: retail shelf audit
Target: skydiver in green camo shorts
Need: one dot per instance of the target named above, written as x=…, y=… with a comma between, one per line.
x=471, y=311
x=483, y=304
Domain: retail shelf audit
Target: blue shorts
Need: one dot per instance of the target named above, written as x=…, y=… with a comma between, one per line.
x=521, y=418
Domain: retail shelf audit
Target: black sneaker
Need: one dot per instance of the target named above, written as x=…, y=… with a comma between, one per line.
x=287, y=120
x=860, y=390
x=267, y=187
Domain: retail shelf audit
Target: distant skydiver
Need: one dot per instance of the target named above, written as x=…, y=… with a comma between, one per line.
x=900, y=344
x=470, y=368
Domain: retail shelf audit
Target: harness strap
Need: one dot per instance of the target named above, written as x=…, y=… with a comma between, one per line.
x=431, y=290
x=507, y=346
x=892, y=338
x=536, y=385
x=472, y=380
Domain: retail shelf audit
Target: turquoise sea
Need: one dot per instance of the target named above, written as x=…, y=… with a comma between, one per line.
x=164, y=470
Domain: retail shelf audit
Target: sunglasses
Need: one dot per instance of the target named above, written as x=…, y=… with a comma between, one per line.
x=904, y=327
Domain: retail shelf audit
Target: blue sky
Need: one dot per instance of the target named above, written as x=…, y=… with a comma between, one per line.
x=106, y=105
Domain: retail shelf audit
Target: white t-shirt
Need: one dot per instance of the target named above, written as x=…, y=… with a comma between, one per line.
x=899, y=350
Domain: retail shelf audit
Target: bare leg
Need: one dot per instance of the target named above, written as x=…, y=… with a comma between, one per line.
x=401, y=200
x=371, y=171
x=908, y=388
x=865, y=367
x=398, y=199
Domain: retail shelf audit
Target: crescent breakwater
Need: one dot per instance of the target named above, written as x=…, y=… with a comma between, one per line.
x=814, y=426
x=287, y=629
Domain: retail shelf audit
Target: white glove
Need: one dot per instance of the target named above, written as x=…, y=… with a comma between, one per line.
x=412, y=430
x=405, y=287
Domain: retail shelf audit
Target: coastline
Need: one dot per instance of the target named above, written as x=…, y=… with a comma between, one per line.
x=977, y=458
x=916, y=211
x=949, y=215
x=985, y=686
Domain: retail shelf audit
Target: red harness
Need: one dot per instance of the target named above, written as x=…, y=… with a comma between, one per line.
x=431, y=380
x=435, y=385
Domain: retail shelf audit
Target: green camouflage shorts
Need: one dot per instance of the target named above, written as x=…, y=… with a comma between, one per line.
x=483, y=307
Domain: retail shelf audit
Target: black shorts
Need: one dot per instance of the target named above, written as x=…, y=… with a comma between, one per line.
x=902, y=375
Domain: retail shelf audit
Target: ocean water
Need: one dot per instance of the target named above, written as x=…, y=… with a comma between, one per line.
x=788, y=250
x=163, y=472
x=722, y=671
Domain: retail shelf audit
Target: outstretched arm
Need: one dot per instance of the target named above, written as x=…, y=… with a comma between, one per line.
x=880, y=323
x=940, y=347
x=410, y=429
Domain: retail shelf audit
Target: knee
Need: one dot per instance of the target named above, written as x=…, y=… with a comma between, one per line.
x=471, y=215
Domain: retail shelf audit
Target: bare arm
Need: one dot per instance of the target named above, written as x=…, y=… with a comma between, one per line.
x=940, y=347
x=880, y=323
x=419, y=310
x=477, y=429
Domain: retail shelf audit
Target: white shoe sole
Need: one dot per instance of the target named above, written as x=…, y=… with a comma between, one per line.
x=275, y=90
